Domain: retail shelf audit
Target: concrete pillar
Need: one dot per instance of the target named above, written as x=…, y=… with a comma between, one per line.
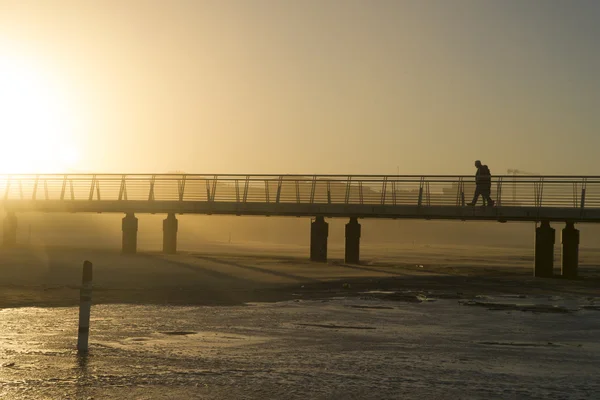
x=352, y=255
x=319, y=231
x=170, y=226
x=10, y=230
x=544, y=250
x=570, y=251
x=130, y=230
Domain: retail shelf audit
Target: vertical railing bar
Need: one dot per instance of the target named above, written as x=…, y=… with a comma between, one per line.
x=214, y=188
x=180, y=189
x=72, y=189
x=347, y=200
x=64, y=188
x=541, y=192
x=151, y=193
x=499, y=192
x=35, y=187
x=237, y=191
x=183, y=185
x=428, y=195
x=279, y=185
x=360, y=191
x=7, y=190
x=208, y=196
x=247, y=184
x=383, y=191
x=92, y=187
x=122, y=188
x=98, y=189
x=394, y=192
x=328, y=192
x=312, y=189
x=421, y=184
x=583, y=190
x=267, y=197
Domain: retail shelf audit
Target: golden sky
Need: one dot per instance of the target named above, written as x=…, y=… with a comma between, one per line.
x=313, y=86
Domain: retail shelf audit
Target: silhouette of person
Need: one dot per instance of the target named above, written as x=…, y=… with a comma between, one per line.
x=483, y=185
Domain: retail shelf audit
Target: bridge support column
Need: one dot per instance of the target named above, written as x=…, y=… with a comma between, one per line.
x=130, y=231
x=352, y=254
x=10, y=230
x=544, y=250
x=570, y=251
x=319, y=232
x=170, y=226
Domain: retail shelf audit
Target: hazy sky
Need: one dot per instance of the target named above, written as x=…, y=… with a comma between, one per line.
x=311, y=86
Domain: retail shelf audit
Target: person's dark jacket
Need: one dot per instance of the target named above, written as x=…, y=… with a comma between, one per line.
x=483, y=177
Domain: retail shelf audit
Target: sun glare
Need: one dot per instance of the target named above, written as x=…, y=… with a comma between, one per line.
x=37, y=125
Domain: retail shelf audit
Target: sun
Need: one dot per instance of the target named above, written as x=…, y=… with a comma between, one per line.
x=37, y=122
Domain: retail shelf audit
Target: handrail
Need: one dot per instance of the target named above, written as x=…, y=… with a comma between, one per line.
x=575, y=192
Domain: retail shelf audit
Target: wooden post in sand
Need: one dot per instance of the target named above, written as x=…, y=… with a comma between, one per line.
x=85, y=306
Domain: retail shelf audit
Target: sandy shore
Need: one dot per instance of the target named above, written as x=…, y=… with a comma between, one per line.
x=410, y=323
x=230, y=275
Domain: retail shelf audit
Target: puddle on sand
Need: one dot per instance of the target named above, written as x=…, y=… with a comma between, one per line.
x=187, y=341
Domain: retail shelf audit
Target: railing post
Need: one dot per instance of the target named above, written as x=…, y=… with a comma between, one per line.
x=347, y=200
x=47, y=197
x=583, y=189
x=267, y=197
x=123, y=191
x=64, y=188
x=360, y=191
x=92, y=187
x=313, y=189
x=420, y=201
x=181, y=187
x=383, y=190
x=499, y=192
x=72, y=190
x=246, y=188
x=98, y=190
x=151, y=193
x=459, y=192
x=208, y=197
x=279, y=184
x=7, y=191
x=214, y=189
x=328, y=192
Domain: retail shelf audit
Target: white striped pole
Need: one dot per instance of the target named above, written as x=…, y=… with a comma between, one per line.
x=85, y=306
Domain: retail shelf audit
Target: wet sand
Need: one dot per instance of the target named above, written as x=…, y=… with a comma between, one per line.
x=257, y=322
x=233, y=275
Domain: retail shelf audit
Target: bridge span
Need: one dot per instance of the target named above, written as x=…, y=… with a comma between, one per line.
x=540, y=199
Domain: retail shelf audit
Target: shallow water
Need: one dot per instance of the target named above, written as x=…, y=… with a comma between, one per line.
x=330, y=349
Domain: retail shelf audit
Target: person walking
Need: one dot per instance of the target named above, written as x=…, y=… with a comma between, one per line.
x=483, y=185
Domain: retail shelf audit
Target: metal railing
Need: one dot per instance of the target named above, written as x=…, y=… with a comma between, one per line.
x=442, y=190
